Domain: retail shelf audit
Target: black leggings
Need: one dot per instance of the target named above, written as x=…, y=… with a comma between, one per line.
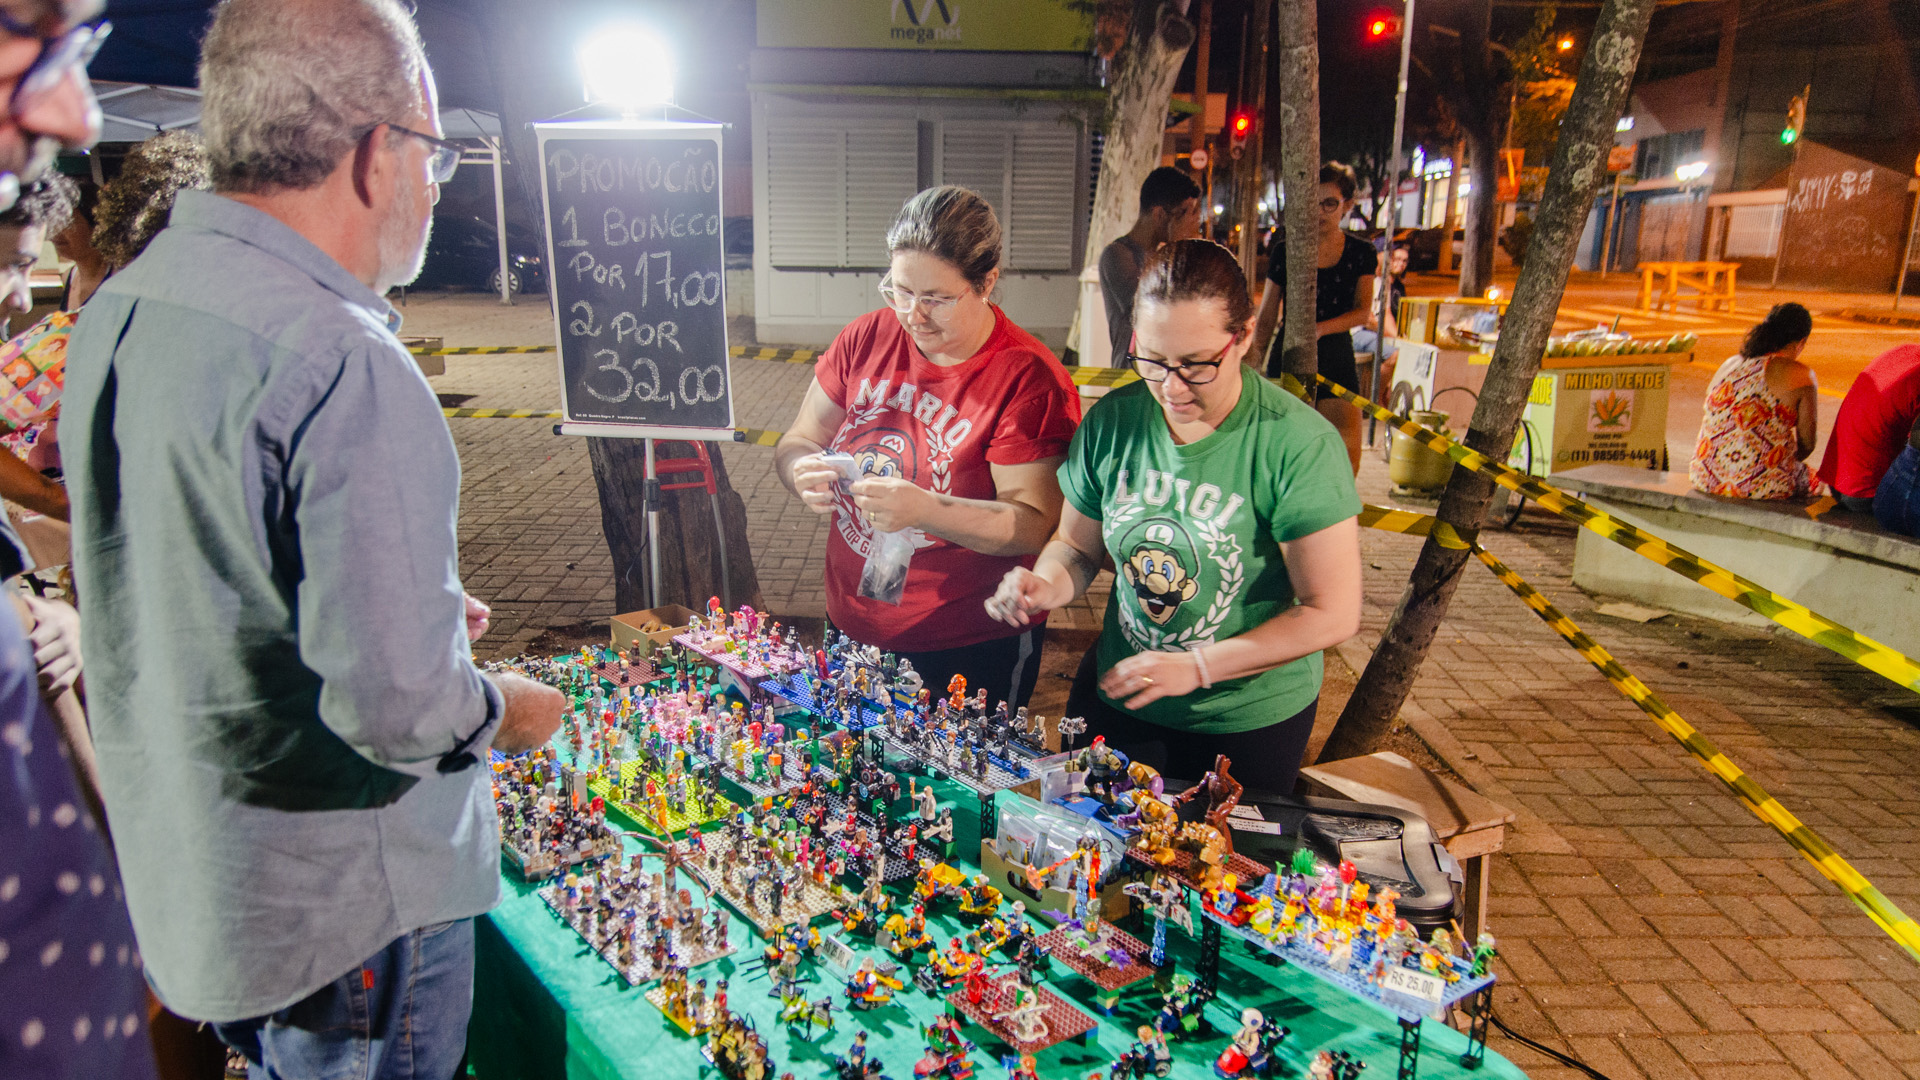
x=1266, y=760
x=1008, y=667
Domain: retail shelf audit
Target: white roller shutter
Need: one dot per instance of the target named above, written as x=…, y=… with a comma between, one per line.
x=883, y=171
x=1040, y=229
x=833, y=186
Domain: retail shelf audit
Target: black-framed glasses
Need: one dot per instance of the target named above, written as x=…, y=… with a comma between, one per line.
x=445, y=157
x=59, y=56
x=1329, y=204
x=1194, y=373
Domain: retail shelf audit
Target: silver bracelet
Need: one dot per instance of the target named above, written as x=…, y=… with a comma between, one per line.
x=1200, y=665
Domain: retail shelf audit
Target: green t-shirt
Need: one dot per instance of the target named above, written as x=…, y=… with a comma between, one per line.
x=1195, y=530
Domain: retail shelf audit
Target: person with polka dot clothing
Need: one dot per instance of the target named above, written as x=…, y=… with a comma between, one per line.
x=72, y=1000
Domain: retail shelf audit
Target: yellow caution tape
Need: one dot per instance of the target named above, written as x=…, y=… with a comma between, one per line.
x=503, y=414
x=1859, y=648
x=782, y=355
x=481, y=350
x=1884, y=912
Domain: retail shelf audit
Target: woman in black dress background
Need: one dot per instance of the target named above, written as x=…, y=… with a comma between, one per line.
x=1347, y=265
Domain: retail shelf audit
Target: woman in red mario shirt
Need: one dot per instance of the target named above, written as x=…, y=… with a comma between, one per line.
x=958, y=420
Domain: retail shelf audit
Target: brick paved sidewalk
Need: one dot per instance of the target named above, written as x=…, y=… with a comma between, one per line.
x=1649, y=924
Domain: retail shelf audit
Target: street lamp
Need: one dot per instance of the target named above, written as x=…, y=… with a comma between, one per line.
x=1691, y=171
x=628, y=67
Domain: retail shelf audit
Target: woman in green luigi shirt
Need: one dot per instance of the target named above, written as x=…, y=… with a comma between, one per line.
x=1228, y=507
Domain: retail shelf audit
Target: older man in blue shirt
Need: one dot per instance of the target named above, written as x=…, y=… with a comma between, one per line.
x=290, y=728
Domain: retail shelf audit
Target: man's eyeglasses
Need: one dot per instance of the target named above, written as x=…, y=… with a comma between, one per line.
x=60, y=55
x=1194, y=373
x=902, y=301
x=445, y=158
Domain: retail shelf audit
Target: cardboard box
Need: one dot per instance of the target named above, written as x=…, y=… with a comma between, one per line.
x=627, y=632
x=1011, y=879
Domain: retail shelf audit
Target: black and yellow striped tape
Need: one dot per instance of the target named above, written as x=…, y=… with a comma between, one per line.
x=503, y=414
x=781, y=355
x=1884, y=912
x=481, y=350
x=1859, y=648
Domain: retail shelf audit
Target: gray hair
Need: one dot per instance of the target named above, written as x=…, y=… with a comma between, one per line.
x=953, y=224
x=289, y=86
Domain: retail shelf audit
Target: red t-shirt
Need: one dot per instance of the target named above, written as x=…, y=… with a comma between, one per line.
x=942, y=428
x=1872, y=425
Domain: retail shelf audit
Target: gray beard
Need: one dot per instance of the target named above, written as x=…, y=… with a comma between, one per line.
x=401, y=255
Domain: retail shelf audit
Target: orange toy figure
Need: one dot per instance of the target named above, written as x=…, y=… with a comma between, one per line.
x=1223, y=794
x=957, y=686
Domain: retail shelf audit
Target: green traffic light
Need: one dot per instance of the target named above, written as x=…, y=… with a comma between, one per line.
x=1788, y=136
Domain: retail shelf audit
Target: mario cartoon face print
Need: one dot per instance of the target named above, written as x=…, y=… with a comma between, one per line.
x=887, y=452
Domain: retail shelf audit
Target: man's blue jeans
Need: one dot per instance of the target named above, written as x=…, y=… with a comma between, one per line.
x=400, y=1015
x=1896, y=502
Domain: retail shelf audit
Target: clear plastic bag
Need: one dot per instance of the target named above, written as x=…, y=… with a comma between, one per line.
x=884, y=577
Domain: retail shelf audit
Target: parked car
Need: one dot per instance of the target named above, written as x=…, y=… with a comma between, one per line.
x=1423, y=247
x=464, y=252
x=738, y=234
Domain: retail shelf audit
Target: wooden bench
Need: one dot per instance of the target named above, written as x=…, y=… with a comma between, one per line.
x=1706, y=278
x=1472, y=827
x=1840, y=564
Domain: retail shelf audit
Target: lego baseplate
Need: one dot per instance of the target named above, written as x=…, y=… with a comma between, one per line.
x=1100, y=969
x=636, y=674
x=1355, y=981
x=803, y=903
x=735, y=663
x=639, y=968
x=1063, y=1021
x=536, y=865
x=793, y=688
x=793, y=773
x=714, y=809
x=1001, y=773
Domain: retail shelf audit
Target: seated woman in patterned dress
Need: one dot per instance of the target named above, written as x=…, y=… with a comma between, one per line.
x=1760, y=415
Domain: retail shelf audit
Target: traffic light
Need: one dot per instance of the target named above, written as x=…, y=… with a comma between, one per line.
x=1237, y=132
x=1382, y=26
x=1796, y=120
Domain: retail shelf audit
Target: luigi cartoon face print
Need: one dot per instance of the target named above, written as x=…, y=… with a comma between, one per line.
x=1161, y=569
x=1178, y=556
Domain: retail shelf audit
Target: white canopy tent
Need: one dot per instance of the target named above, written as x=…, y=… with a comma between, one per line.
x=135, y=112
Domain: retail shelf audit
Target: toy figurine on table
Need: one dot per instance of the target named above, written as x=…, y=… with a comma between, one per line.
x=979, y=898
x=867, y=988
x=1335, y=1065
x=856, y=1065
x=1021, y=1068
x=1180, y=1011
x=1166, y=901
x=1070, y=728
x=904, y=935
x=1251, y=1052
x=947, y=1052
x=795, y=1008
x=1105, y=767
x=1025, y=1014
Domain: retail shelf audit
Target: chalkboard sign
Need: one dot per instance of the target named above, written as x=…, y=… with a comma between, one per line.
x=636, y=261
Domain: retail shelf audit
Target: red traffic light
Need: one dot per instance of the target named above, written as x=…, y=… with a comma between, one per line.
x=1381, y=26
x=1241, y=123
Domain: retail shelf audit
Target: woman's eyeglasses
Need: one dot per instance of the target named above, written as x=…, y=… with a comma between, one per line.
x=1193, y=373
x=1329, y=204
x=902, y=301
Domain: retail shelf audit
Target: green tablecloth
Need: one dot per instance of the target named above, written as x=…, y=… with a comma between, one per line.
x=546, y=1007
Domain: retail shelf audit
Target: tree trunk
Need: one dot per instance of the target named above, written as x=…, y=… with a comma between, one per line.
x=689, y=551
x=1451, y=219
x=1484, y=106
x=1577, y=171
x=1483, y=214
x=1136, y=120
x=1300, y=181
